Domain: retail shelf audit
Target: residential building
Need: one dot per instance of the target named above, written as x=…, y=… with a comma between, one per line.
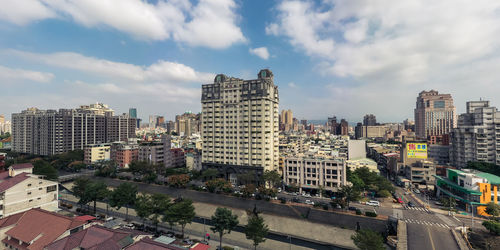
x=240, y=125
x=193, y=161
x=5, y=126
x=2, y=160
x=472, y=189
x=356, y=149
x=187, y=124
x=34, y=229
x=421, y=172
x=178, y=159
x=123, y=153
x=440, y=154
x=286, y=120
x=477, y=137
x=94, y=237
x=21, y=190
x=338, y=128
x=49, y=132
x=435, y=114
x=362, y=131
x=96, y=153
x=156, y=152
x=132, y=113
x=312, y=172
x=369, y=120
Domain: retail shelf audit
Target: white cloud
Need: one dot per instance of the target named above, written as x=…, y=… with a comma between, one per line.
x=390, y=46
x=209, y=23
x=260, y=52
x=12, y=75
x=292, y=85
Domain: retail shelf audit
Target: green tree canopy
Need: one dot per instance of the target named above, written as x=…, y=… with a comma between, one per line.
x=273, y=178
x=493, y=209
x=159, y=205
x=181, y=212
x=366, y=239
x=41, y=167
x=143, y=206
x=209, y=174
x=256, y=230
x=125, y=195
x=96, y=191
x=223, y=222
x=492, y=226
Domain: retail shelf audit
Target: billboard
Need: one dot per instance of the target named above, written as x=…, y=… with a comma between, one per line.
x=416, y=150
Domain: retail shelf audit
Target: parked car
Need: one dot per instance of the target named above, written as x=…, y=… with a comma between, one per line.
x=295, y=199
x=373, y=203
x=416, y=191
x=351, y=208
x=438, y=203
x=410, y=204
x=309, y=202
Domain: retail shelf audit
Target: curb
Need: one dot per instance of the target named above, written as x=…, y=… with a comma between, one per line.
x=402, y=236
x=460, y=242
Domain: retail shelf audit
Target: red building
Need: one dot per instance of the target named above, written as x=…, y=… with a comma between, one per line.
x=178, y=159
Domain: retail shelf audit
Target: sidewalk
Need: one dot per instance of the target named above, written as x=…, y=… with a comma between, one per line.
x=302, y=229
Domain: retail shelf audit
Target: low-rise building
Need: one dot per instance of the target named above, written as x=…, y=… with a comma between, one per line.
x=178, y=159
x=35, y=229
x=472, y=189
x=20, y=190
x=421, y=172
x=193, y=161
x=94, y=237
x=124, y=153
x=315, y=172
x=363, y=162
x=156, y=152
x=95, y=153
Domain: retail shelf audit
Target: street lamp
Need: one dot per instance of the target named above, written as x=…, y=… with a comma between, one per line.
x=290, y=238
x=472, y=216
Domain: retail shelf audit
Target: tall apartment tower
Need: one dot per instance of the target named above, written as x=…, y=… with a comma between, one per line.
x=48, y=132
x=435, y=114
x=240, y=124
x=369, y=120
x=477, y=137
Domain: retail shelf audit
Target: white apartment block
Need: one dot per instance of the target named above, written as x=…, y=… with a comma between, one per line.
x=313, y=172
x=97, y=153
x=21, y=190
x=477, y=137
x=240, y=124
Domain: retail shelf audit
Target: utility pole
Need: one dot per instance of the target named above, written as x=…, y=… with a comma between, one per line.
x=472, y=216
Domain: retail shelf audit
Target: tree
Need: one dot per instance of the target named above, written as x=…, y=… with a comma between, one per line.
x=492, y=226
x=125, y=195
x=144, y=207
x=41, y=167
x=181, y=212
x=248, y=190
x=493, y=209
x=209, y=174
x=256, y=230
x=218, y=184
x=366, y=239
x=349, y=194
x=178, y=180
x=248, y=177
x=160, y=203
x=140, y=167
x=79, y=189
x=96, y=191
x=448, y=202
x=223, y=222
x=273, y=178
x=384, y=193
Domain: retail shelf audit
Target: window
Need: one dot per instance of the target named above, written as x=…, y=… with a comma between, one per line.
x=438, y=104
x=51, y=188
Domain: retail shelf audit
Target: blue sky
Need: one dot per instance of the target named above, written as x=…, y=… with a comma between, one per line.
x=329, y=57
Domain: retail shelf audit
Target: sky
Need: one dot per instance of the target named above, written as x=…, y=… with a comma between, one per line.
x=329, y=57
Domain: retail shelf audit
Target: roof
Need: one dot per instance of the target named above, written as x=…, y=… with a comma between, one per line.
x=200, y=246
x=165, y=239
x=85, y=218
x=33, y=224
x=12, y=181
x=95, y=237
x=147, y=243
x=22, y=166
x=493, y=179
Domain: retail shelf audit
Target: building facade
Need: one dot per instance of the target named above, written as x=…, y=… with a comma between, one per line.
x=96, y=153
x=240, y=127
x=313, y=172
x=435, y=114
x=477, y=137
x=156, y=152
x=48, y=132
x=123, y=153
x=369, y=120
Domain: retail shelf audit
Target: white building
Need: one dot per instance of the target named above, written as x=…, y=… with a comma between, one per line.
x=313, y=172
x=21, y=190
x=363, y=162
x=97, y=153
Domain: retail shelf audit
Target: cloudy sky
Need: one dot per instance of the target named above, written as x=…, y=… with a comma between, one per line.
x=342, y=57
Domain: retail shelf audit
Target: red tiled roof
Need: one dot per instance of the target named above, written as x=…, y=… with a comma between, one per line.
x=12, y=181
x=85, y=218
x=95, y=237
x=147, y=243
x=200, y=246
x=47, y=226
x=4, y=175
x=22, y=166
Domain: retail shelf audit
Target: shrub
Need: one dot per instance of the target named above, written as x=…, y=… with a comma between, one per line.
x=358, y=212
x=370, y=214
x=325, y=206
x=317, y=204
x=492, y=226
x=283, y=200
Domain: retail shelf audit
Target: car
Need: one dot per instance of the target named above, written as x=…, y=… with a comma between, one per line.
x=373, y=203
x=279, y=190
x=309, y=202
x=410, y=204
x=416, y=191
x=438, y=203
x=129, y=226
x=295, y=199
x=400, y=201
x=187, y=241
x=351, y=208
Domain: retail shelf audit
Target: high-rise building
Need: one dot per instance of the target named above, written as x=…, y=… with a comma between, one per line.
x=435, y=114
x=369, y=120
x=160, y=121
x=152, y=121
x=286, y=120
x=240, y=124
x=332, y=125
x=48, y=132
x=157, y=152
x=4, y=125
x=477, y=137
x=132, y=113
x=187, y=123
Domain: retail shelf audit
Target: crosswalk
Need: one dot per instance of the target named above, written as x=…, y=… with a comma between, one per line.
x=421, y=209
x=427, y=223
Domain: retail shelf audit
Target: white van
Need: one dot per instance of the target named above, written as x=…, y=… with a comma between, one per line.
x=373, y=203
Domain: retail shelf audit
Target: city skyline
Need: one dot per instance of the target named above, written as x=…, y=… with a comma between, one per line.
x=353, y=58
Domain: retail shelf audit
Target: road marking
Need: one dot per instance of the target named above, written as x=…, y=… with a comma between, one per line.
x=430, y=236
